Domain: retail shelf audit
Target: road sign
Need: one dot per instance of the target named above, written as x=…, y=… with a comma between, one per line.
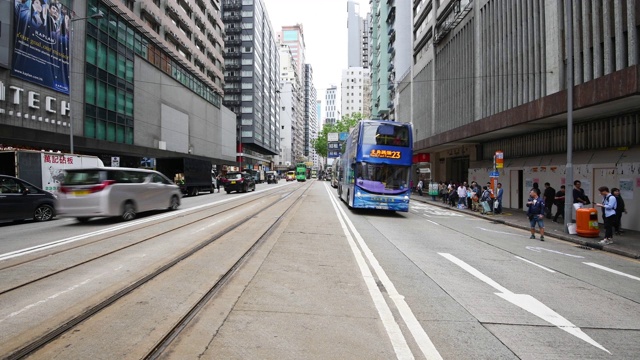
x=494, y=174
x=333, y=137
x=344, y=136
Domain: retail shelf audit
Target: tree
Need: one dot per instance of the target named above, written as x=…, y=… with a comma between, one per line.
x=344, y=125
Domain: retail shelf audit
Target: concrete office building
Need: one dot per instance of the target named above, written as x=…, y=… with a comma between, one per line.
x=399, y=48
x=491, y=75
x=289, y=75
x=356, y=85
x=310, y=115
x=331, y=111
x=252, y=80
x=285, y=160
x=357, y=36
x=143, y=82
x=293, y=38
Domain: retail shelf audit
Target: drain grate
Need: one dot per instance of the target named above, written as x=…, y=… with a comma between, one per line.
x=585, y=247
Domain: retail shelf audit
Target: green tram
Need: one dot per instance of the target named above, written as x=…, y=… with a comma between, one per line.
x=301, y=172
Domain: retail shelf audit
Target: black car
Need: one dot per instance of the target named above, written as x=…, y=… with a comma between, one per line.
x=272, y=179
x=20, y=200
x=240, y=182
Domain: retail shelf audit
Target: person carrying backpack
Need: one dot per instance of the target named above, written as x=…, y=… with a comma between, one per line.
x=535, y=212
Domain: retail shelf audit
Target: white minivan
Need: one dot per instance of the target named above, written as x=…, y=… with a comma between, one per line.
x=108, y=191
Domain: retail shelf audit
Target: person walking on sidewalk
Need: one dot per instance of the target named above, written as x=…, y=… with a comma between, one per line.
x=608, y=206
x=536, y=214
x=499, y=193
x=549, y=195
x=619, y=210
x=559, y=201
x=419, y=187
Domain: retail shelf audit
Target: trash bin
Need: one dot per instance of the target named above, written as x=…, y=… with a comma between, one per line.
x=587, y=222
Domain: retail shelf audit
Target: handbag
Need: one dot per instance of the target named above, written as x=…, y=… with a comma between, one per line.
x=587, y=202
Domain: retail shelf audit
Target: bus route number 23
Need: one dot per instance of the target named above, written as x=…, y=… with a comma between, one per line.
x=385, y=154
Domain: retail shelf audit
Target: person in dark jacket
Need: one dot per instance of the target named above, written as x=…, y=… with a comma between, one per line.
x=619, y=210
x=578, y=194
x=559, y=201
x=549, y=195
x=535, y=212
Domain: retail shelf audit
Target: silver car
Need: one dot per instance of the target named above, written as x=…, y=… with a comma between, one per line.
x=122, y=192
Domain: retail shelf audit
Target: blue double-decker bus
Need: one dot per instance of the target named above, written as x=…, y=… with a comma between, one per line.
x=375, y=166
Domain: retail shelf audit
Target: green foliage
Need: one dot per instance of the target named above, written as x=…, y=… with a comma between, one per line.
x=344, y=125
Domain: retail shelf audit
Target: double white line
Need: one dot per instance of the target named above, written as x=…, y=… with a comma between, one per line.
x=360, y=251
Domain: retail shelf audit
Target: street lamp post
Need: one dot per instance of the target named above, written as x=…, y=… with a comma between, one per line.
x=97, y=16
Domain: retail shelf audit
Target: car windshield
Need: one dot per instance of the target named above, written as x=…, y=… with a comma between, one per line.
x=382, y=178
x=234, y=176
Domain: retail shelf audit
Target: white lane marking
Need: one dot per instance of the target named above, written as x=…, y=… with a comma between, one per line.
x=538, y=265
x=528, y=303
x=72, y=239
x=420, y=336
x=498, y=232
x=433, y=222
x=541, y=249
x=612, y=270
x=396, y=337
x=47, y=299
x=433, y=210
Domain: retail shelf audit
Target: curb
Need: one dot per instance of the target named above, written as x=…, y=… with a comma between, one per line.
x=575, y=240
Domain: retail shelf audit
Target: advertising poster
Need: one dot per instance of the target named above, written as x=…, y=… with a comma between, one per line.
x=54, y=165
x=41, y=51
x=5, y=32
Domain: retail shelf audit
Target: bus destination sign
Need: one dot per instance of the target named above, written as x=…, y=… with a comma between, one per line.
x=385, y=154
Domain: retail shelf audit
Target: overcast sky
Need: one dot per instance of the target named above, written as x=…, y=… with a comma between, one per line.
x=324, y=24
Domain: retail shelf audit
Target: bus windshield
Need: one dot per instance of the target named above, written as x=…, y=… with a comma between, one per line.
x=385, y=134
x=382, y=178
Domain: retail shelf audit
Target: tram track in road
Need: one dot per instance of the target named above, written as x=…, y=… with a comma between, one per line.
x=110, y=233
x=57, y=330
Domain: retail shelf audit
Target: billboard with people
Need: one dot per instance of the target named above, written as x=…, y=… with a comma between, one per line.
x=41, y=49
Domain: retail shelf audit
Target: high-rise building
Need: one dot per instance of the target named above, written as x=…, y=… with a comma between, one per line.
x=331, y=111
x=382, y=81
x=287, y=158
x=252, y=79
x=310, y=114
x=400, y=45
x=356, y=89
x=293, y=38
x=144, y=81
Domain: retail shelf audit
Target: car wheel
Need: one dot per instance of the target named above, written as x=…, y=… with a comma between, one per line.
x=195, y=191
x=128, y=212
x=43, y=212
x=228, y=192
x=175, y=203
x=83, y=219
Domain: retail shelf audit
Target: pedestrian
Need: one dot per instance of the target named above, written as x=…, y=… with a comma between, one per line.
x=536, y=188
x=419, y=187
x=499, y=193
x=484, y=200
x=549, y=197
x=462, y=195
x=476, y=192
x=619, y=210
x=535, y=212
x=218, y=181
x=608, y=206
x=559, y=201
x=579, y=197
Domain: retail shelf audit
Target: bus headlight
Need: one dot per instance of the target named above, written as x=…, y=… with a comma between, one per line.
x=358, y=194
x=406, y=198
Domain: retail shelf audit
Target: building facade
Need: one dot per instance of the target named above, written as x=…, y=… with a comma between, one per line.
x=252, y=80
x=380, y=59
x=491, y=76
x=289, y=75
x=356, y=85
x=144, y=81
x=286, y=158
x=310, y=115
x=331, y=111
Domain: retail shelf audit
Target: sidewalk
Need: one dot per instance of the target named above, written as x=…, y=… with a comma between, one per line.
x=627, y=244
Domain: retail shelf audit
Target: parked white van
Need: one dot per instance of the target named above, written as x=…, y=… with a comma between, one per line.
x=122, y=192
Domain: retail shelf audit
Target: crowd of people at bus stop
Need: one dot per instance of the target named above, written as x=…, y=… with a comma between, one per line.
x=540, y=203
